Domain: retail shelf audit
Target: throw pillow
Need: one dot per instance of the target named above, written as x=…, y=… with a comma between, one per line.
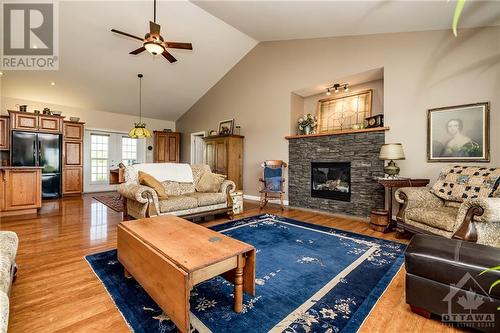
x=459, y=183
x=148, y=180
x=209, y=182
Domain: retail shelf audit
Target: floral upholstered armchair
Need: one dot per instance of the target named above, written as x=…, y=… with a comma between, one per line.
x=464, y=203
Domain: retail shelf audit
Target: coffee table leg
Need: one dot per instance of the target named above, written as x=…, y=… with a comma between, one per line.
x=238, y=284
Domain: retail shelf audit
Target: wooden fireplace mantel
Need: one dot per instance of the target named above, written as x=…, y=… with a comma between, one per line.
x=351, y=131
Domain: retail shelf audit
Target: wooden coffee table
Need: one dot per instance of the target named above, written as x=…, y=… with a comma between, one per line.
x=168, y=255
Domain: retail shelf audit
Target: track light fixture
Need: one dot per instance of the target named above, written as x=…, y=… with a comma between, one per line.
x=336, y=88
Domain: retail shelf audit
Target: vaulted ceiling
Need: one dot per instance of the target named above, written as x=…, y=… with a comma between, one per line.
x=96, y=71
x=280, y=20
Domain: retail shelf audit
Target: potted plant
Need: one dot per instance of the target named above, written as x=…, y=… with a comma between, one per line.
x=307, y=124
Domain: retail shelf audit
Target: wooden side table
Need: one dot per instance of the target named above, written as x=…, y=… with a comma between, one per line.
x=390, y=184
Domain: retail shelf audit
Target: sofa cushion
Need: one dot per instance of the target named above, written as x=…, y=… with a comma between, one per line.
x=8, y=244
x=177, y=202
x=4, y=312
x=207, y=199
x=198, y=171
x=148, y=180
x=5, y=274
x=458, y=183
x=175, y=188
x=440, y=217
x=209, y=182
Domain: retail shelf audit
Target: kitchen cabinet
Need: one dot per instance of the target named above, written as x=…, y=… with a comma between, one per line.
x=25, y=121
x=72, y=169
x=21, y=190
x=4, y=133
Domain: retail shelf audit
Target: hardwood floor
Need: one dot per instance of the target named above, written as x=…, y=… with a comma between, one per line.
x=56, y=291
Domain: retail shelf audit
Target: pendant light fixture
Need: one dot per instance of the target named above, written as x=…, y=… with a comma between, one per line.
x=139, y=130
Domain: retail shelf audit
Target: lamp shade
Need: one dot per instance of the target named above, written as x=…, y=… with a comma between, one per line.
x=139, y=131
x=392, y=151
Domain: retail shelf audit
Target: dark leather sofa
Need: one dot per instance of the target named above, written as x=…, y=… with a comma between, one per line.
x=443, y=279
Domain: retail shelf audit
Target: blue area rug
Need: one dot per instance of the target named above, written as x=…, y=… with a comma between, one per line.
x=309, y=279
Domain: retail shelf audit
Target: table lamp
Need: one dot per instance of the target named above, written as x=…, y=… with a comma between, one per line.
x=391, y=152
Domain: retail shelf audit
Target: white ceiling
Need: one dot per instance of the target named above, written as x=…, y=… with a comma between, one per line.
x=352, y=80
x=280, y=20
x=96, y=72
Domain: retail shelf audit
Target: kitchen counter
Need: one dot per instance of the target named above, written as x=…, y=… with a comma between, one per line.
x=20, y=190
x=20, y=167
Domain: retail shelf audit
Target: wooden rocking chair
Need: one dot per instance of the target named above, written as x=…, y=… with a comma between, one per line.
x=272, y=182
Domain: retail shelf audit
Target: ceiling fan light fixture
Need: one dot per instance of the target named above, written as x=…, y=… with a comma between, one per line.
x=154, y=48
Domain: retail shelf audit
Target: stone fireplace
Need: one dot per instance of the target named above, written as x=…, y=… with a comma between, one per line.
x=327, y=189
x=331, y=180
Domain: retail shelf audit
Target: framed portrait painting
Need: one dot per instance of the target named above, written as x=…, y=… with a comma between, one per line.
x=459, y=133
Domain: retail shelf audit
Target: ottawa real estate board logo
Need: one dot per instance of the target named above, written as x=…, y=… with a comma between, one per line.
x=30, y=36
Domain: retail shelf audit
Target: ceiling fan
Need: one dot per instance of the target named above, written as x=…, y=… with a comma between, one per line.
x=154, y=43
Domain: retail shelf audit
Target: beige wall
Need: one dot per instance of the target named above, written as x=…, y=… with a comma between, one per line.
x=93, y=119
x=311, y=102
x=422, y=70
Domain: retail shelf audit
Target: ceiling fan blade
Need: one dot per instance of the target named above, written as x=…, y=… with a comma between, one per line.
x=154, y=29
x=126, y=34
x=176, y=45
x=168, y=56
x=139, y=50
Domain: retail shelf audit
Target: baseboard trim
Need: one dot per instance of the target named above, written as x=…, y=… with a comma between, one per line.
x=257, y=198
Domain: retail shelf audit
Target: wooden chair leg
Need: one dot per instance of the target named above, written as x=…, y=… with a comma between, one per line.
x=281, y=201
x=263, y=200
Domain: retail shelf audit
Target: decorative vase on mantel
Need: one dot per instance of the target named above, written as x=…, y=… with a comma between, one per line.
x=307, y=130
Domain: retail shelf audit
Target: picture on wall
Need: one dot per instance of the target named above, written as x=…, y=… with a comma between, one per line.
x=226, y=127
x=459, y=133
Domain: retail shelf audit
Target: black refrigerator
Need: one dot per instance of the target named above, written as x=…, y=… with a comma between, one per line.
x=39, y=149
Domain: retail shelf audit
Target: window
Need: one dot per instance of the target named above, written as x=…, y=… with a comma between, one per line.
x=344, y=112
x=99, y=152
x=129, y=150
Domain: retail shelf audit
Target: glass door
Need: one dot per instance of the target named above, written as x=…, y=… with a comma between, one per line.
x=105, y=151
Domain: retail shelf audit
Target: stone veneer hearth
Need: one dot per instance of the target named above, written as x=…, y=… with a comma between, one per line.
x=361, y=149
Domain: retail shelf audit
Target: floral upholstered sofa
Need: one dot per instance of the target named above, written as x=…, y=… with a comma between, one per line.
x=464, y=203
x=183, y=199
x=8, y=250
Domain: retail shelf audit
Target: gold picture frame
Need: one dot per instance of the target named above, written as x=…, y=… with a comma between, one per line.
x=459, y=133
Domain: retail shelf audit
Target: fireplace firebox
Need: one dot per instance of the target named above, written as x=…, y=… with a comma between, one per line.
x=331, y=180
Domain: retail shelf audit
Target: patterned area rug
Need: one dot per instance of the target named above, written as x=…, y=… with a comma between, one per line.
x=112, y=200
x=309, y=279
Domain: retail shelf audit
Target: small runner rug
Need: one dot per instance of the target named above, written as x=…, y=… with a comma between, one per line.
x=309, y=279
x=112, y=200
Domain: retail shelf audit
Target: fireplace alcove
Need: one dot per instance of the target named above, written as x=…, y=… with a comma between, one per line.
x=359, y=149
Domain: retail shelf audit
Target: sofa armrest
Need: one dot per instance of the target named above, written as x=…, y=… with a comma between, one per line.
x=137, y=192
x=227, y=187
x=487, y=209
x=473, y=211
x=413, y=197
